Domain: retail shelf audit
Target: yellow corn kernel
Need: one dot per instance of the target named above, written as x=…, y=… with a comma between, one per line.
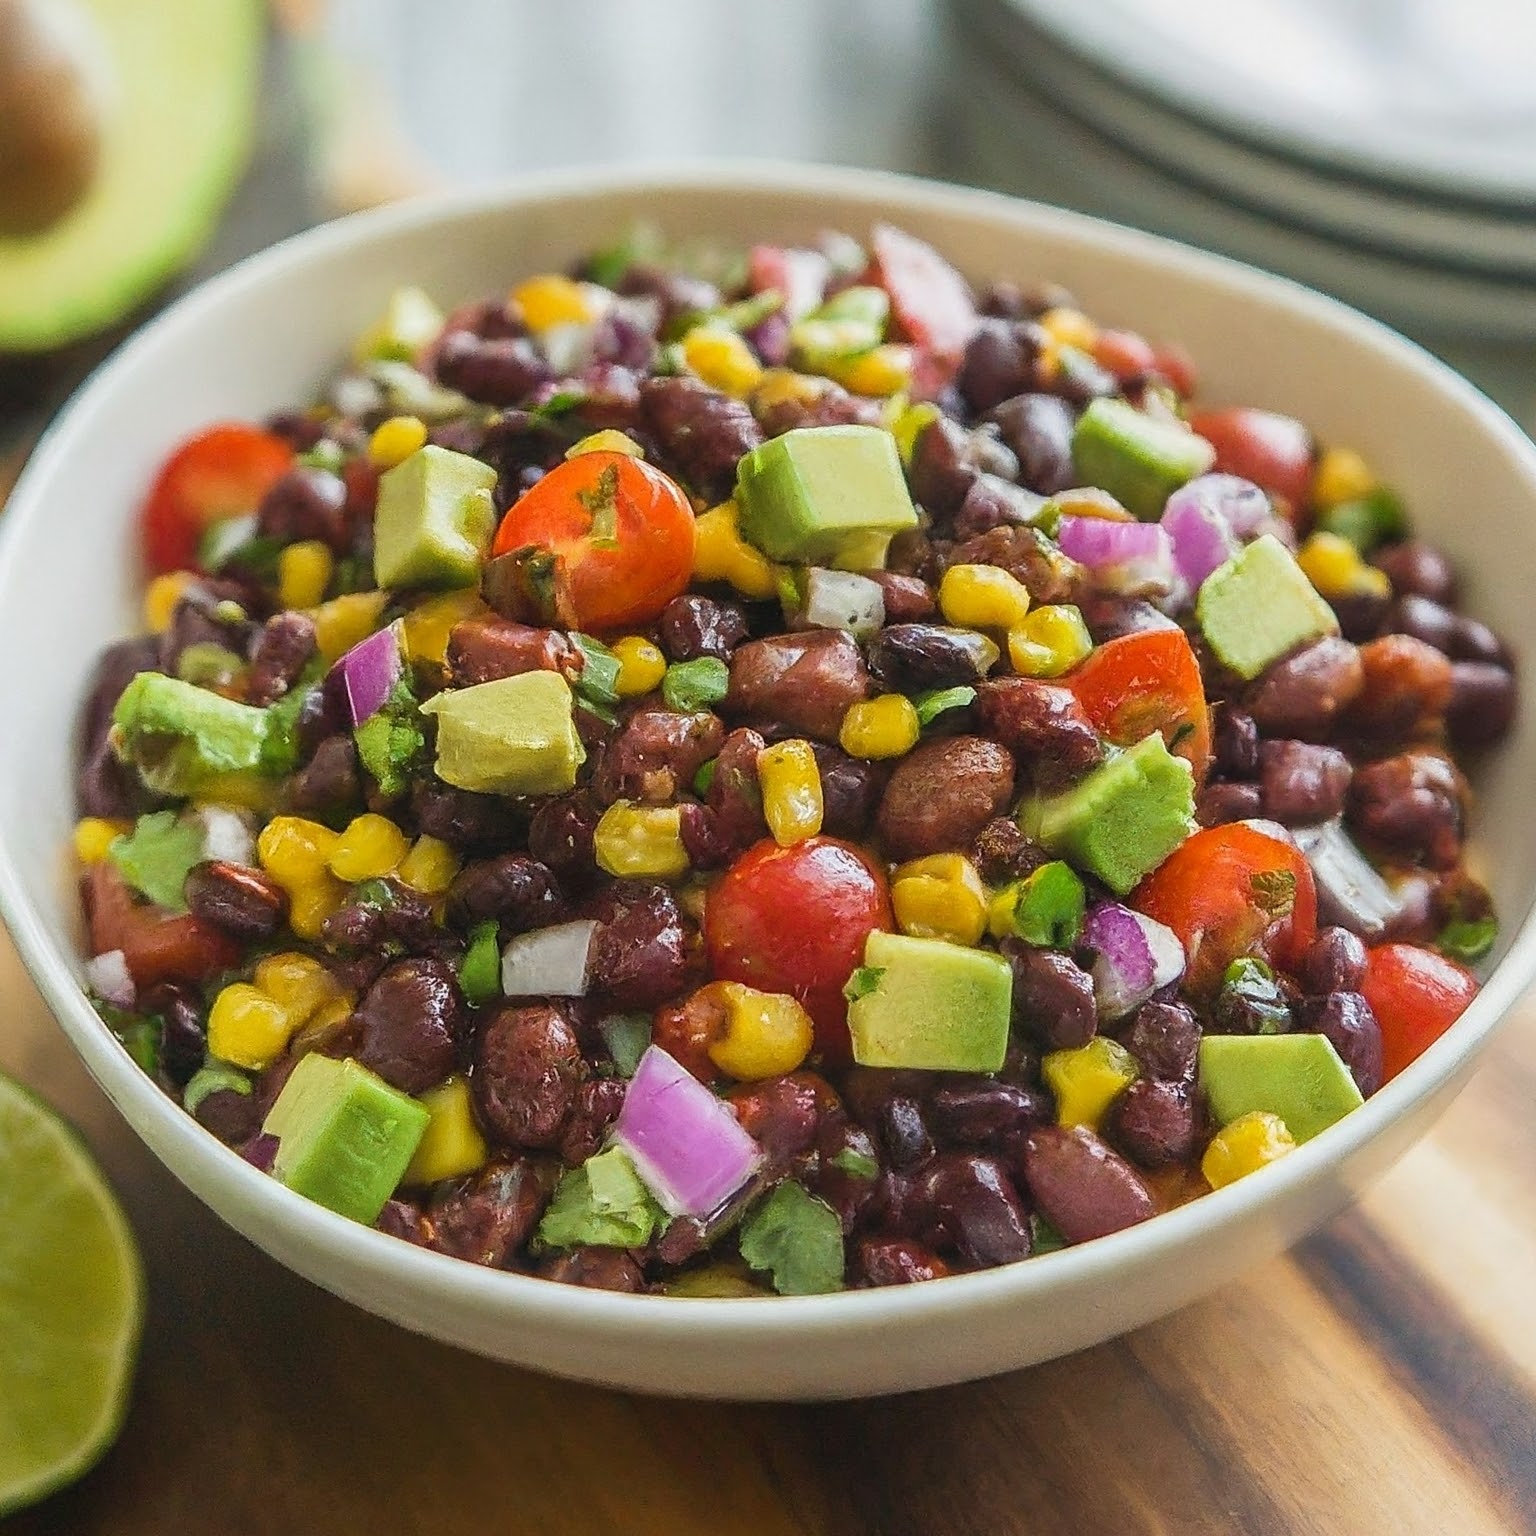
x=303, y=573
x=766, y=1034
x=877, y=728
x=791, y=784
x=550, y=300
x=248, y=789
x=1341, y=475
x=429, y=867
x=606, y=441
x=451, y=1145
x=722, y=359
x=94, y=835
x=295, y=851
x=1051, y=641
x=396, y=439
x=1249, y=1143
x=428, y=624
x=1087, y=1080
x=721, y=554
x=635, y=840
x=641, y=666
x=342, y=622
x=161, y=597
x=1333, y=565
x=321, y=1025
x=371, y=847
x=1069, y=328
x=940, y=897
x=909, y=424
x=1090, y=501
x=298, y=983
x=881, y=371
x=783, y=386
x=247, y=1027
x=310, y=905
x=982, y=597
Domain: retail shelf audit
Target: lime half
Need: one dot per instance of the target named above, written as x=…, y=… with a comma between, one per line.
x=71, y=1303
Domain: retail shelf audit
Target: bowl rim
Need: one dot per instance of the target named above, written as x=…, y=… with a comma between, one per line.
x=333, y=1238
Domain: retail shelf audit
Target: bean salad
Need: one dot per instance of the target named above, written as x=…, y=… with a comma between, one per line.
x=722, y=774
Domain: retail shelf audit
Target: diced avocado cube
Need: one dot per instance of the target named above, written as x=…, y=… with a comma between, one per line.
x=512, y=736
x=809, y=494
x=179, y=736
x=434, y=520
x=931, y=1005
x=1121, y=821
x=344, y=1136
x=1301, y=1078
x=410, y=320
x=1260, y=606
x=1140, y=460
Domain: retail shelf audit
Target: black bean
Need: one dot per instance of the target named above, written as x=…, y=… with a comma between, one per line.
x=115, y=668
x=1108, y=617
x=306, y=503
x=560, y=836
x=1028, y=556
x=909, y=658
x=239, y=900
x=1052, y=996
x=597, y=1269
x=1153, y=1122
x=782, y=1115
x=1424, y=619
x=902, y=1133
x=1414, y=804
x=701, y=433
x=282, y=651
x=850, y=791
x=639, y=953
x=515, y=890
x=1334, y=962
x=232, y=1116
x=1165, y=1040
x=409, y=1023
x=105, y=786
x=620, y=340
x=802, y=682
x=201, y=618
x=677, y=293
x=992, y=502
x=1043, y=725
x=1038, y=428
x=463, y=819
x=969, y=1203
x=1482, y=706
x=941, y=794
x=1302, y=783
x=908, y=599
x=183, y=1034
x=500, y=371
x=897, y=1261
x=942, y=468
x=735, y=799
x=692, y=625
x=391, y=915
x=1472, y=640
x=1001, y=852
x=1000, y=362
x=984, y=1113
x=1236, y=742
x=1304, y=695
x=1219, y=803
x=330, y=780
x=1347, y=1020
x=488, y=1217
x=1418, y=568
x=655, y=755
x=527, y=1068
x=597, y=1105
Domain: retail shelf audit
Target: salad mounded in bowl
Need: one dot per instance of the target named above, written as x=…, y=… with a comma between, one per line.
x=720, y=774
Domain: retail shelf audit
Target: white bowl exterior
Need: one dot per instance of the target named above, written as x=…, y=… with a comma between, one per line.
x=268, y=333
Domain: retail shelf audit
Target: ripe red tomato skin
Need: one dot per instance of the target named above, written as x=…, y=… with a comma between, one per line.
x=1274, y=451
x=157, y=945
x=1416, y=995
x=795, y=920
x=930, y=301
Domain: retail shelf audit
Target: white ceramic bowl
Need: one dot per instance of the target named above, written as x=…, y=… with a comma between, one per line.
x=266, y=335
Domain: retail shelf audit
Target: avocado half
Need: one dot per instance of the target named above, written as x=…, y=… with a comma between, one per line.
x=182, y=82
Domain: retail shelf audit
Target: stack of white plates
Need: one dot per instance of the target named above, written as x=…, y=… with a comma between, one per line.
x=1383, y=150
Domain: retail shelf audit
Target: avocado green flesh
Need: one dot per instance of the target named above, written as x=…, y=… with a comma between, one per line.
x=936, y=1007
x=178, y=735
x=1138, y=459
x=345, y=1137
x=1121, y=821
x=1260, y=606
x=816, y=492
x=434, y=520
x=513, y=736
x=184, y=77
x=1301, y=1078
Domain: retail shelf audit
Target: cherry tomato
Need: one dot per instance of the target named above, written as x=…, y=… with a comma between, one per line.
x=157, y=945
x=1126, y=354
x=1136, y=684
x=930, y=301
x=1230, y=891
x=1416, y=995
x=1273, y=451
x=795, y=920
x=221, y=472
x=622, y=530
x=1178, y=367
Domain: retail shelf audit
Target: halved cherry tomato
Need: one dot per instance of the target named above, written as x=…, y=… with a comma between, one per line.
x=795, y=920
x=221, y=472
x=1272, y=450
x=1127, y=354
x=157, y=945
x=622, y=530
x=1136, y=684
x=1416, y=995
x=1230, y=891
x=930, y=301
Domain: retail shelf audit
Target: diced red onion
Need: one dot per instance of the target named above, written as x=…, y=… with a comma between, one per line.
x=1243, y=505
x=227, y=834
x=843, y=600
x=355, y=395
x=1137, y=956
x=549, y=962
x=1131, y=559
x=686, y=1144
x=366, y=675
x=567, y=348
x=1350, y=893
x=1202, y=536
x=108, y=977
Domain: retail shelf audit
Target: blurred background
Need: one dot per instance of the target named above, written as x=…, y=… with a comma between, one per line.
x=1382, y=150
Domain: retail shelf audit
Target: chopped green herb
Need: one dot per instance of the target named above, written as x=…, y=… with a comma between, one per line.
x=1251, y=1001
x=705, y=777
x=1376, y=518
x=626, y=1035
x=280, y=750
x=863, y=981
x=352, y=573
x=797, y=1240
x=562, y=403
x=856, y=1164
x=1468, y=939
x=377, y=894
x=390, y=742
x=1049, y=905
x=642, y=242
x=221, y=539
x=480, y=970
x=697, y=684
x=599, y=671
x=214, y=1076
x=935, y=701
x=528, y=585
x=141, y=1033
x=602, y=502
x=602, y=1203
x=155, y=856
x=1274, y=892
x=1044, y=1236
x=326, y=455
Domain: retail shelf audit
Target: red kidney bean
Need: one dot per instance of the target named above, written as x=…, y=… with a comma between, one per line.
x=236, y=898
x=233, y=1117
x=392, y=917
x=329, y=781
x=487, y=1217
x=1038, y=428
x=304, y=504
x=639, y=954
x=527, y=1068
x=183, y=1035
x=1347, y=1020
x=968, y=1203
x=802, y=682
x=1043, y=725
x=702, y=433
x=1153, y=1122
x=598, y=1269
x=463, y=819
x=502, y=370
x=908, y=599
x=983, y=1113
x=409, y=1022
x=282, y=651
x=483, y=649
x=828, y=405
x=655, y=756
x=1001, y=852
x=1110, y=617
x=1080, y=1186
x=1028, y=557
x=1001, y=360
x=1482, y=706
x=1302, y=783
x=942, y=794
x=1304, y=695
x=782, y=1115
x=560, y=836
x=1165, y=1040
x=1219, y=803
x=692, y=625
x=597, y=1106
x=1052, y=996
x=1414, y=803
x=850, y=791
x=1407, y=687
x=514, y=889
x=1235, y=738
x=849, y=1194
x=1424, y=619
x=200, y=618
x=1417, y=568
x=897, y=1261
x=1333, y=962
